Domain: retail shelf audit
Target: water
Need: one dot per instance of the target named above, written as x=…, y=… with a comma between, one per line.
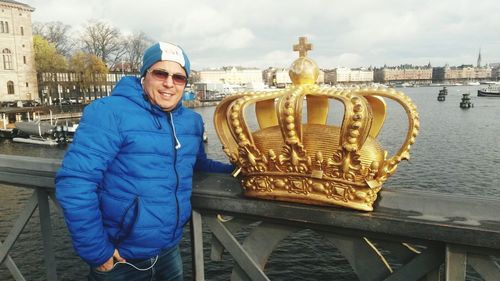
x=456, y=152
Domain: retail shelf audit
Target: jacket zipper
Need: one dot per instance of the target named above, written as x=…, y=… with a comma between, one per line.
x=174, y=143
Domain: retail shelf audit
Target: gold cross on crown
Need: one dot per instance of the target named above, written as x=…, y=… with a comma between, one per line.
x=302, y=47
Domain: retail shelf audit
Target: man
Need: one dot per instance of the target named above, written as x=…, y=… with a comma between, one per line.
x=125, y=181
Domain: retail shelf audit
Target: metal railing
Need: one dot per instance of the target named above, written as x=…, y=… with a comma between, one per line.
x=410, y=235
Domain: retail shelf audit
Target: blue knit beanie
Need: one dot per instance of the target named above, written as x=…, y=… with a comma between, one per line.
x=164, y=51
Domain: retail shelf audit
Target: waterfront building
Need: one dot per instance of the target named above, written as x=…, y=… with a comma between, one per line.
x=348, y=75
x=268, y=76
x=231, y=75
x=460, y=74
x=404, y=74
x=76, y=87
x=17, y=68
x=495, y=71
x=279, y=77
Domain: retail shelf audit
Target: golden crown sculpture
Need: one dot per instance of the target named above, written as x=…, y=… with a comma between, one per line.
x=313, y=162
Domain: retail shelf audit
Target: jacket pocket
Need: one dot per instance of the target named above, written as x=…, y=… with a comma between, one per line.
x=128, y=221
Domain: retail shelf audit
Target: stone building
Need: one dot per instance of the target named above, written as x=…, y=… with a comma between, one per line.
x=348, y=75
x=461, y=74
x=495, y=71
x=404, y=73
x=231, y=75
x=17, y=67
x=280, y=78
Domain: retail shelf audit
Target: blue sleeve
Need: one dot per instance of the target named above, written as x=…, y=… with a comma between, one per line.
x=204, y=164
x=96, y=143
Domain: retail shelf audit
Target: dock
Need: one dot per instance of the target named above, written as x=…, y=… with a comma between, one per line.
x=10, y=115
x=430, y=236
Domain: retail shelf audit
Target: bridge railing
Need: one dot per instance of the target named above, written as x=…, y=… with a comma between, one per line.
x=410, y=235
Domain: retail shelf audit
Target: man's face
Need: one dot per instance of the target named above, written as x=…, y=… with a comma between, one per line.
x=162, y=88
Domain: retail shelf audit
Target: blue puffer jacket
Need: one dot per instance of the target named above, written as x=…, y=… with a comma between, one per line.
x=123, y=183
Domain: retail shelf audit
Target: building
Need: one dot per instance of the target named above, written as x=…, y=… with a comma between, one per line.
x=461, y=74
x=231, y=75
x=347, y=75
x=18, y=79
x=495, y=71
x=404, y=74
x=71, y=86
x=280, y=78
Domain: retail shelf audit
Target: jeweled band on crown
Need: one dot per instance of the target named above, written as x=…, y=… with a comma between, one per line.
x=312, y=162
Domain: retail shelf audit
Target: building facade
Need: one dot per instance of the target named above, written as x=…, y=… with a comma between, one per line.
x=231, y=75
x=495, y=71
x=18, y=79
x=404, y=73
x=344, y=75
x=76, y=87
x=280, y=77
x=461, y=74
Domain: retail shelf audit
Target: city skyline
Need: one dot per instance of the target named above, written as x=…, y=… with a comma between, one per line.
x=261, y=33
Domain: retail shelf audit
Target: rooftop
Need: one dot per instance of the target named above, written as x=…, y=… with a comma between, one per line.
x=17, y=3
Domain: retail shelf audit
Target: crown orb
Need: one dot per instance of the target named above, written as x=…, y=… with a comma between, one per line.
x=303, y=71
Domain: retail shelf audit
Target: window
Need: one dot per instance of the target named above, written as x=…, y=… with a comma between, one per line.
x=24, y=59
x=7, y=59
x=27, y=85
x=10, y=88
x=4, y=27
x=22, y=30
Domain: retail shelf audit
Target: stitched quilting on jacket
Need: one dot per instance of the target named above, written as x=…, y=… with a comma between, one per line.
x=126, y=180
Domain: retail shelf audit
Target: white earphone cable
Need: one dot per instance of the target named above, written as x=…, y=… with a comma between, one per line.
x=137, y=268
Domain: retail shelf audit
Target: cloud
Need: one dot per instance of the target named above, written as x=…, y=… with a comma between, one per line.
x=353, y=34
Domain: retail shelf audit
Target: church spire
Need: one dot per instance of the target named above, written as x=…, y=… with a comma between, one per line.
x=479, y=59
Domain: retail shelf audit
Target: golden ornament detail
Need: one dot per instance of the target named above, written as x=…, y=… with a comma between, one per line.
x=312, y=162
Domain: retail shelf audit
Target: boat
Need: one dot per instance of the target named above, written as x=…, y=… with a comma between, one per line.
x=490, y=82
x=490, y=91
x=36, y=128
x=36, y=132
x=473, y=83
x=35, y=140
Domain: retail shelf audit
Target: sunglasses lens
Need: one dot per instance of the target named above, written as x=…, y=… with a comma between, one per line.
x=159, y=74
x=163, y=75
x=179, y=79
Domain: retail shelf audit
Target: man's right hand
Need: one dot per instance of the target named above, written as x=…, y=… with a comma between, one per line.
x=109, y=264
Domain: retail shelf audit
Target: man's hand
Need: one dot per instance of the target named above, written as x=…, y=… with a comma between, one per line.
x=108, y=265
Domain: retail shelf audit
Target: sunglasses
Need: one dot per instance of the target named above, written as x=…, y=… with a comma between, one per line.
x=162, y=75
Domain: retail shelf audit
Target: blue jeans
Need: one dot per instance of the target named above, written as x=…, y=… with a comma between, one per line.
x=168, y=267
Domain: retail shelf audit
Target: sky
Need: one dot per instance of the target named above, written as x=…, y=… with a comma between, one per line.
x=261, y=33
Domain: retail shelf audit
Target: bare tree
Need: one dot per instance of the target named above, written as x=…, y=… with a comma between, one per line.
x=136, y=44
x=104, y=41
x=56, y=33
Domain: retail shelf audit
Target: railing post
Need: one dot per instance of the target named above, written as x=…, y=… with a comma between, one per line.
x=45, y=223
x=455, y=263
x=197, y=247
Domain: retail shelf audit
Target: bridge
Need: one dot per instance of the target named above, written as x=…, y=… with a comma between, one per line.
x=410, y=235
